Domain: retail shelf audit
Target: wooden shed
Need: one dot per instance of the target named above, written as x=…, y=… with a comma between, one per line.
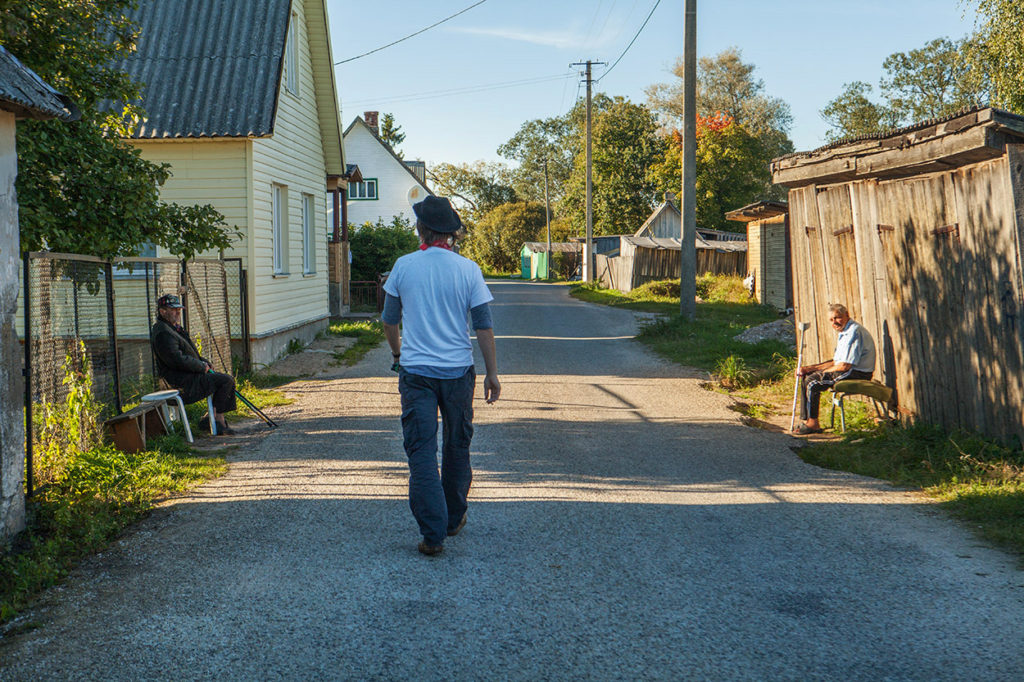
x=919, y=233
x=536, y=261
x=648, y=259
x=768, y=255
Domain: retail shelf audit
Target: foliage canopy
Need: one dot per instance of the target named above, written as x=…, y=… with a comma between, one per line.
x=81, y=188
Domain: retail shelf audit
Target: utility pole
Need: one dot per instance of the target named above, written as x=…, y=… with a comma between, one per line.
x=688, y=236
x=547, y=212
x=588, y=248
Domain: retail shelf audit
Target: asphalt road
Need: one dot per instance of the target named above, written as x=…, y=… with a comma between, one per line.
x=623, y=524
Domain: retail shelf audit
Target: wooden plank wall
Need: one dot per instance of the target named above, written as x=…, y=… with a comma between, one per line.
x=932, y=267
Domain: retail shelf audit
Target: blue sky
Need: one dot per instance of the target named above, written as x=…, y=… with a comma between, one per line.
x=463, y=88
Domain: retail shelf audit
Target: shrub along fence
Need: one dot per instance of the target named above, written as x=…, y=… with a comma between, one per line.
x=86, y=319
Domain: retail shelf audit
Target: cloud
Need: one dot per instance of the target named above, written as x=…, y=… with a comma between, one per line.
x=559, y=39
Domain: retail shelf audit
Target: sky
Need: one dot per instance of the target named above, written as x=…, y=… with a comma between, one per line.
x=463, y=88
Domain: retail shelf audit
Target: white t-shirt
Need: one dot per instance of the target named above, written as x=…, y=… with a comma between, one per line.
x=437, y=287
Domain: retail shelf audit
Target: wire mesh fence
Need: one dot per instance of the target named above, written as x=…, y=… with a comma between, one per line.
x=85, y=319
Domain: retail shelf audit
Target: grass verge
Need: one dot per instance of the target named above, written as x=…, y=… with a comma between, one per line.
x=86, y=504
x=367, y=333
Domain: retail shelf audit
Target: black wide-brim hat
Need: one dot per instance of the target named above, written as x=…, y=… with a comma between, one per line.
x=437, y=214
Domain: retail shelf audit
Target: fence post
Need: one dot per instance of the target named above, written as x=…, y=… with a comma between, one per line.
x=243, y=286
x=27, y=373
x=108, y=274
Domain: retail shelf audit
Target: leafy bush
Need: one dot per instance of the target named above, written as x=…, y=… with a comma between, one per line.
x=496, y=241
x=376, y=246
x=721, y=289
x=665, y=288
x=732, y=372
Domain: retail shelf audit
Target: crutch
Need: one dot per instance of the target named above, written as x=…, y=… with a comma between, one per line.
x=258, y=411
x=248, y=403
x=802, y=326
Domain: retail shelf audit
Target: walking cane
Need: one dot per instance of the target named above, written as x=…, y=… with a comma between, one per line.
x=802, y=326
x=270, y=422
x=257, y=410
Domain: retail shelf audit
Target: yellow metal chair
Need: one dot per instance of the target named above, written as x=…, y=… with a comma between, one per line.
x=881, y=397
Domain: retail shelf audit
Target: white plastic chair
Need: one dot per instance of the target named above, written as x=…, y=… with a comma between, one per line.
x=168, y=399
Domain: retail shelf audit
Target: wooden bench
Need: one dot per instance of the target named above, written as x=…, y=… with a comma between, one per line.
x=882, y=397
x=130, y=430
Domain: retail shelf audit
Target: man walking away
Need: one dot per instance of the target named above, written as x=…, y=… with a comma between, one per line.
x=431, y=291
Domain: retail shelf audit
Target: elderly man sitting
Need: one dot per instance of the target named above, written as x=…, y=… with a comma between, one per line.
x=854, y=359
x=179, y=364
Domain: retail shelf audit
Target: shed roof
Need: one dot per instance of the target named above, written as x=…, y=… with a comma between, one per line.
x=210, y=68
x=26, y=95
x=928, y=146
x=758, y=210
x=673, y=244
x=556, y=247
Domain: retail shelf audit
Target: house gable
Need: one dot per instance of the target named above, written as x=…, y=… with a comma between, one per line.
x=396, y=182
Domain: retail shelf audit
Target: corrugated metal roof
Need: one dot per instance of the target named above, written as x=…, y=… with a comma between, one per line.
x=672, y=243
x=556, y=247
x=209, y=68
x=27, y=95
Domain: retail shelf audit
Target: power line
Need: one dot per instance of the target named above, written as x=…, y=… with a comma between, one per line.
x=658, y=2
x=469, y=89
x=358, y=56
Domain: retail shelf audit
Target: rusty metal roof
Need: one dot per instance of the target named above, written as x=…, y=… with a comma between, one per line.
x=26, y=94
x=672, y=244
x=556, y=247
x=208, y=68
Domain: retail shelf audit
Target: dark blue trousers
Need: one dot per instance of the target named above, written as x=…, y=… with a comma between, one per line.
x=438, y=501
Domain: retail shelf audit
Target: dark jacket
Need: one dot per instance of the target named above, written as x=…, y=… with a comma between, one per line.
x=178, y=361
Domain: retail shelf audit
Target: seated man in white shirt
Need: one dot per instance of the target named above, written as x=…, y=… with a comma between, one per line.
x=854, y=359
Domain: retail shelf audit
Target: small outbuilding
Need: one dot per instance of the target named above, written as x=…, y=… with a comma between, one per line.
x=768, y=255
x=919, y=232
x=538, y=263
x=648, y=259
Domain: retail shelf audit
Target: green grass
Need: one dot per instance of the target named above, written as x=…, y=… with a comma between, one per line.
x=86, y=503
x=367, y=333
x=975, y=478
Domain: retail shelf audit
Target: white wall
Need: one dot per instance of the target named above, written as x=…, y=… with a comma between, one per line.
x=12, y=445
x=393, y=180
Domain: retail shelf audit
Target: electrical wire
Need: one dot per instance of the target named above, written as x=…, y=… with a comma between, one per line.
x=658, y=2
x=411, y=35
x=469, y=89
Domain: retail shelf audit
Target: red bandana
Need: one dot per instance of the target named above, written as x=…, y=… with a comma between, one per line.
x=439, y=243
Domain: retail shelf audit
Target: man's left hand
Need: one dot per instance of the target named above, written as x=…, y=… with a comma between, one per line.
x=492, y=388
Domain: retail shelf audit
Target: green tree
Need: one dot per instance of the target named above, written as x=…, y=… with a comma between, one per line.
x=376, y=246
x=391, y=134
x=478, y=186
x=554, y=140
x=853, y=114
x=930, y=82
x=933, y=81
x=730, y=170
x=498, y=237
x=625, y=145
x=727, y=85
x=997, y=52
x=80, y=187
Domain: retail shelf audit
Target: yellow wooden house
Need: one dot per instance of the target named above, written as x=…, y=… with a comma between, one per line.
x=241, y=101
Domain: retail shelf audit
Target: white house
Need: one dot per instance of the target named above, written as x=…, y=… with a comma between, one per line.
x=241, y=101
x=389, y=187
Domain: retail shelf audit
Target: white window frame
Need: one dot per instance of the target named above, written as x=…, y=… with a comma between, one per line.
x=358, y=191
x=279, y=223
x=291, y=56
x=308, y=234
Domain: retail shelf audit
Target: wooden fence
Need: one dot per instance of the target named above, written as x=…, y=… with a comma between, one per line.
x=929, y=260
x=643, y=260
